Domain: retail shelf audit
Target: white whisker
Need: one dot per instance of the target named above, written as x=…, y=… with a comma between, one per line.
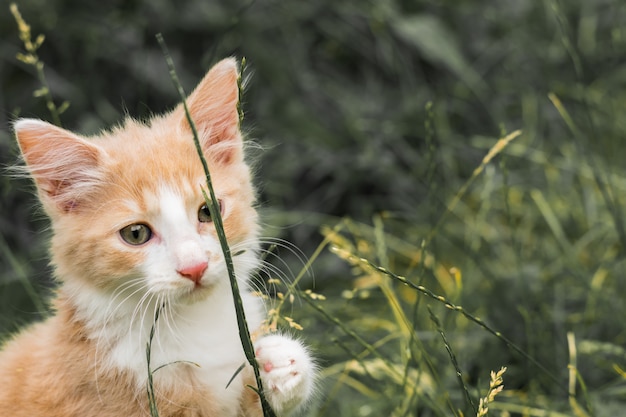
x=171, y=323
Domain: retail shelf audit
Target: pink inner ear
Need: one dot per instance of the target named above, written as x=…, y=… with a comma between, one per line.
x=64, y=165
x=213, y=108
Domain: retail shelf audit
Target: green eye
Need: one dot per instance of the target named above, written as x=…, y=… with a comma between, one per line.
x=136, y=234
x=204, y=214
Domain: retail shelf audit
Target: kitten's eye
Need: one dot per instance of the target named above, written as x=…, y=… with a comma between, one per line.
x=204, y=214
x=136, y=234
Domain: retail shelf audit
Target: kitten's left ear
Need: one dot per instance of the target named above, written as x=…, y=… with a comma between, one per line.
x=213, y=108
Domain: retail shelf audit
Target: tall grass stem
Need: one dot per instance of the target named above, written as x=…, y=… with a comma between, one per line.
x=31, y=58
x=453, y=359
x=213, y=204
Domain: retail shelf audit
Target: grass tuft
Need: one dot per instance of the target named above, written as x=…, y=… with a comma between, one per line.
x=30, y=57
x=495, y=387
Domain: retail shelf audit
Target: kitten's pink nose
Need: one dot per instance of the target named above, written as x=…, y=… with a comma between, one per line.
x=194, y=272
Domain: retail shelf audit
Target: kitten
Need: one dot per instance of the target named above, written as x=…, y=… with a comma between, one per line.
x=132, y=236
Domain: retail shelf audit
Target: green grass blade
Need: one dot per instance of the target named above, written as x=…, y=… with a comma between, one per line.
x=154, y=411
x=213, y=204
x=35, y=297
x=455, y=363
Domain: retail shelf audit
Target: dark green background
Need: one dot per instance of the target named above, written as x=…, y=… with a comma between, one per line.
x=338, y=99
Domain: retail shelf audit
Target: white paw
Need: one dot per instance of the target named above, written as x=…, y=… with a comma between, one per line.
x=287, y=372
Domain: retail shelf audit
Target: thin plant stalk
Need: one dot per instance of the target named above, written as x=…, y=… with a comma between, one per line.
x=31, y=58
x=154, y=411
x=22, y=275
x=213, y=204
x=453, y=359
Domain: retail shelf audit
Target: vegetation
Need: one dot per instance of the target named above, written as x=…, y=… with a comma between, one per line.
x=443, y=244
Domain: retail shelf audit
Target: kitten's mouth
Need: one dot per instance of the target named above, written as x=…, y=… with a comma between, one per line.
x=202, y=286
x=200, y=289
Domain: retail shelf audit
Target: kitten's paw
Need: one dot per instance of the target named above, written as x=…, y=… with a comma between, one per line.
x=287, y=372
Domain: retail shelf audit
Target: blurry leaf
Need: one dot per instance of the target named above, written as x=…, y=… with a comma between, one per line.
x=437, y=44
x=40, y=92
x=39, y=41
x=26, y=58
x=63, y=107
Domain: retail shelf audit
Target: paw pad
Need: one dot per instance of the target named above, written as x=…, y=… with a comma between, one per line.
x=287, y=372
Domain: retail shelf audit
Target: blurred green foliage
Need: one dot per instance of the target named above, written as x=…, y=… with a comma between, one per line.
x=372, y=116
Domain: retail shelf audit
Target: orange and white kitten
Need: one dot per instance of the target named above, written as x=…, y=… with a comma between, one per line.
x=132, y=235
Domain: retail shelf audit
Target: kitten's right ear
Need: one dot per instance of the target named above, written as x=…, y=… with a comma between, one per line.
x=213, y=108
x=64, y=165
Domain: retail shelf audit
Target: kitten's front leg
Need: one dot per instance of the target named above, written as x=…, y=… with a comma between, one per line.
x=287, y=372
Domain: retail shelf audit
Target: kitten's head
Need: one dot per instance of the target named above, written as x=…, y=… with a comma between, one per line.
x=127, y=207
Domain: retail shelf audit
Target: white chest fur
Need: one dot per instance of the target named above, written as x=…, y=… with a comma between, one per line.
x=192, y=344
